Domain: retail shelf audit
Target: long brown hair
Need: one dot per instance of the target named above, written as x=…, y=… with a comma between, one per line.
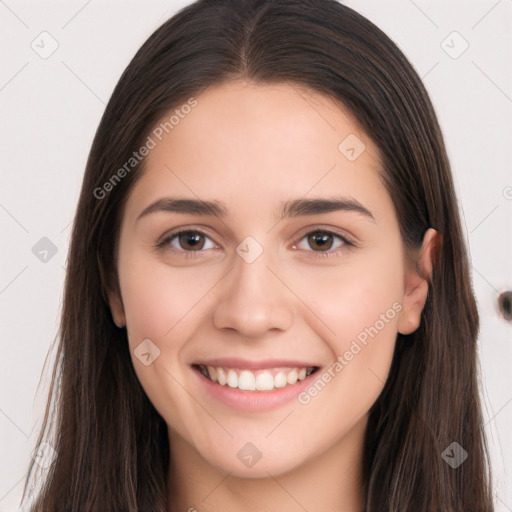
x=112, y=451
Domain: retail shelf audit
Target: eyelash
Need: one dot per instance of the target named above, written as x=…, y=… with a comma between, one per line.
x=317, y=254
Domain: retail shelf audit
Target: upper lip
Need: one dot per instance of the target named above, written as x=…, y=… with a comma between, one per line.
x=229, y=362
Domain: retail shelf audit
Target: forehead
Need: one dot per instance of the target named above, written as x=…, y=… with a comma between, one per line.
x=246, y=118
x=260, y=143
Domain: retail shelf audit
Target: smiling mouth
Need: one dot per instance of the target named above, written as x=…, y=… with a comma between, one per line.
x=255, y=380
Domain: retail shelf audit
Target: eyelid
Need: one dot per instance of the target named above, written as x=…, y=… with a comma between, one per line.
x=347, y=240
x=168, y=236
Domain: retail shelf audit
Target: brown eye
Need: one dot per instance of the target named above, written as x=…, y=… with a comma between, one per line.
x=187, y=241
x=324, y=243
x=320, y=240
x=191, y=240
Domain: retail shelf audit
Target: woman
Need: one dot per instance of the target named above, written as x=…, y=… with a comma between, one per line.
x=268, y=302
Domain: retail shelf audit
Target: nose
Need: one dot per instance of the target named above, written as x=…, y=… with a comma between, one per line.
x=253, y=300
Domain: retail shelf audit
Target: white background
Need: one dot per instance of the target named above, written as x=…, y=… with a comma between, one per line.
x=50, y=109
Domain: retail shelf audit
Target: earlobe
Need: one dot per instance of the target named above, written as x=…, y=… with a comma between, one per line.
x=117, y=309
x=417, y=283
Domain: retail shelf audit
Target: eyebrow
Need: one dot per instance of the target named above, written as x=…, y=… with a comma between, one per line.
x=289, y=209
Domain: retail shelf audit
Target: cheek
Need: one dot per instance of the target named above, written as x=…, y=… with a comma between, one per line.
x=353, y=295
x=158, y=298
x=356, y=309
x=161, y=304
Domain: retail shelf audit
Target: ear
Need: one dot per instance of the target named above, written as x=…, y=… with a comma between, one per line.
x=416, y=283
x=111, y=293
x=116, y=308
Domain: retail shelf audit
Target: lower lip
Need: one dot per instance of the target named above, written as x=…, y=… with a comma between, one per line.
x=254, y=401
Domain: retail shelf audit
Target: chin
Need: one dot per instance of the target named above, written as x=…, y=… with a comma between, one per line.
x=249, y=463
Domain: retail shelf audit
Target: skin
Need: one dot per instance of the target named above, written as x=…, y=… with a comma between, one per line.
x=252, y=147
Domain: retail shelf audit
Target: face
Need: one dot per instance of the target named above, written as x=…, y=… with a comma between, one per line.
x=291, y=262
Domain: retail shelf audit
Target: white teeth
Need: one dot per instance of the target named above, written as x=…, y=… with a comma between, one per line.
x=232, y=379
x=247, y=381
x=221, y=376
x=264, y=382
x=260, y=380
x=280, y=380
x=291, y=378
x=213, y=373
